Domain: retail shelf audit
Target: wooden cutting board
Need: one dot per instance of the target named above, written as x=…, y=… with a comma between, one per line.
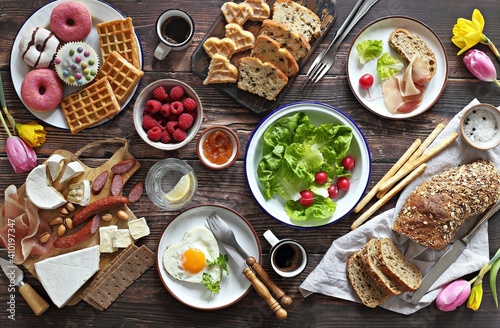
x=90, y=173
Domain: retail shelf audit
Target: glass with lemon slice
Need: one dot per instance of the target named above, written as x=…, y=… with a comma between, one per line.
x=171, y=184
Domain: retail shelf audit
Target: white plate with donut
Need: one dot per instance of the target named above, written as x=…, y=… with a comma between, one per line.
x=100, y=12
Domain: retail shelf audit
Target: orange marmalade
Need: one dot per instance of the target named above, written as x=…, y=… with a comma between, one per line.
x=217, y=147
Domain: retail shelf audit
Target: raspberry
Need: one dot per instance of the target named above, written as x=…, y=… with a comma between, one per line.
x=152, y=106
x=148, y=122
x=165, y=110
x=166, y=137
x=171, y=126
x=185, y=121
x=176, y=93
x=176, y=107
x=155, y=133
x=189, y=104
x=179, y=135
x=160, y=94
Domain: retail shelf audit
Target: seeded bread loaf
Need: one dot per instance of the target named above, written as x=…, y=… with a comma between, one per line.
x=364, y=286
x=436, y=209
x=292, y=40
x=262, y=79
x=269, y=50
x=409, y=45
x=298, y=18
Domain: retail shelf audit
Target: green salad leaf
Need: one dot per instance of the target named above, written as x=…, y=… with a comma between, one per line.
x=388, y=66
x=294, y=151
x=368, y=50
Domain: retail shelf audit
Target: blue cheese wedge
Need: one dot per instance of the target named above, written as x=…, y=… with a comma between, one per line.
x=55, y=164
x=39, y=190
x=138, y=228
x=79, y=193
x=73, y=169
x=63, y=275
x=106, y=236
x=122, y=238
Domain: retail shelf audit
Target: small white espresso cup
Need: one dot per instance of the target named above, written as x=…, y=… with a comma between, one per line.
x=288, y=257
x=175, y=28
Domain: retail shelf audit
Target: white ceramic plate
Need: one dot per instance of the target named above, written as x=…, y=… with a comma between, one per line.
x=101, y=12
x=318, y=113
x=381, y=30
x=233, y=287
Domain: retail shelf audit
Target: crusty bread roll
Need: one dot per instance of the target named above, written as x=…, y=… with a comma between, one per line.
x=434, y=211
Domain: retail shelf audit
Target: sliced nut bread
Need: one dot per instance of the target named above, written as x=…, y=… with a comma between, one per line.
x=369, y=256
x=292, y=40
x=298, y=18
x=269, y=50
x=394, y=265
x=409, y=45
x=364, y=286
x=262, y=79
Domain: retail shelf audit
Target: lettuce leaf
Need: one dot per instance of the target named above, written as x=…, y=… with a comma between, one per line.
x=368, y=50
x=388, y=66
x=322, y=208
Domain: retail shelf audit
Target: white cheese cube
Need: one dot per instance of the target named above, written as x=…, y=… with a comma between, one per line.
x=138, y=228
x=122, y=238
x=106, y=236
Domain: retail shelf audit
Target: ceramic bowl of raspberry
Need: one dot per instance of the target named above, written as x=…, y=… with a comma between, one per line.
x=167, y=114
x=218, y=147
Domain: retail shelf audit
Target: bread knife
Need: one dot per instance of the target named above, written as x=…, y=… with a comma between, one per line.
x=450, y=256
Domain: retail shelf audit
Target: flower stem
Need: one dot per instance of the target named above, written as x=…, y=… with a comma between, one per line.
x=7, y=114
x=5, y=125
x=497, y=83
x=493, y=48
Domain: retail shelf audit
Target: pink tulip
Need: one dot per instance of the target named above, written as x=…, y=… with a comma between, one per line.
x=480, y=65
x=453, y=295
x=21, y=156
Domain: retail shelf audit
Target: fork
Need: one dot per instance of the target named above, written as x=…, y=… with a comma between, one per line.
x=326, y=58
x=225, y=235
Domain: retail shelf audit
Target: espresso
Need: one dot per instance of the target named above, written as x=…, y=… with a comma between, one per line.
x=175, y=30
x=288, y=257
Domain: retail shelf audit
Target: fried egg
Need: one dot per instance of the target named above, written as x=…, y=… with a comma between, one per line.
x=187, y=260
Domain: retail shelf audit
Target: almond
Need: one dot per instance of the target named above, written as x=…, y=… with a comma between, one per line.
x=44, y=237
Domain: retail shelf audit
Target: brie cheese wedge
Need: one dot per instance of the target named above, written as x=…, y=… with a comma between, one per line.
x=79, y=193
x=72, y=170
x=39, y=190
x=63, y=275
x=55, y=163
x=138, y=228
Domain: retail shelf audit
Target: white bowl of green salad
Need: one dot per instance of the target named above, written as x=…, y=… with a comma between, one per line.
x=307, y=164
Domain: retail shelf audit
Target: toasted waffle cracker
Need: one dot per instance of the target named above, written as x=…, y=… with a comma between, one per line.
x=122, y=75
x=119, y=35
x=221, y=71
x=260, y=9
x=90, y=105
x=225, y=47
x=237, y=13
x=243, y=39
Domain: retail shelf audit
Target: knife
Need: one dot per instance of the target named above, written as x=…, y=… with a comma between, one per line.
x=257, y=284
x=450, y=256
x=16, y=276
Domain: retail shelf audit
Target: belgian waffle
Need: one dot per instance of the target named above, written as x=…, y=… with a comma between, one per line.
x=225, y=47
x=221, y=71
x=243, y=39
x=237, y=13
x=119, y=35
x=122, y=75
x=90, y=105
x=260, y=8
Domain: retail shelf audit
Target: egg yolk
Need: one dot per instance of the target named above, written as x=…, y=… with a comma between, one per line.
x=193, y=260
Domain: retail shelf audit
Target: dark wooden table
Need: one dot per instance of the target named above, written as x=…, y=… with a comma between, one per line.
x=147, y=303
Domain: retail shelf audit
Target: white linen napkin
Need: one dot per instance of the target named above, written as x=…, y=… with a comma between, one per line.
x=329, y=277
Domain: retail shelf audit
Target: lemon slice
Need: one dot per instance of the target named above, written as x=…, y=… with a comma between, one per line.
x=180, y=190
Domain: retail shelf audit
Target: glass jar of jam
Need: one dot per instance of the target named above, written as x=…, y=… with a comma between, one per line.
x=218, y=147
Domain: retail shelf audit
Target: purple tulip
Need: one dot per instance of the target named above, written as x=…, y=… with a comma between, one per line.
x=453, y=295
x=21, y=156
x=480, y=65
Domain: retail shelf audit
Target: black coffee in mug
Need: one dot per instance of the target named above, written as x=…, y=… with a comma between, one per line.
x=288, y=257
x=175, y=30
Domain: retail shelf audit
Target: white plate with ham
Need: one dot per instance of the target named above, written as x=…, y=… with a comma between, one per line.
x=373, y=98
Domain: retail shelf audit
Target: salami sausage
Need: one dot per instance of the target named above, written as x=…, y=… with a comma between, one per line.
x=136, y=192
x=99, y=182
x=98, y=206
x=116, y=185
x=80, y=236
x=123, y=166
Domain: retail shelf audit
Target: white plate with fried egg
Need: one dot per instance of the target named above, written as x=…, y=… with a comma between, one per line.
x=181, y=236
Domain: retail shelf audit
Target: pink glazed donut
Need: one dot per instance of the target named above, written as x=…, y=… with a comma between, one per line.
x=42, y=90
x=70, y=21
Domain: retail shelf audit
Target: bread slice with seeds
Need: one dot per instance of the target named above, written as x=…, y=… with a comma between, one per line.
x=298, y=18
x=262, y=79
x=292, y=40
x=269, y=50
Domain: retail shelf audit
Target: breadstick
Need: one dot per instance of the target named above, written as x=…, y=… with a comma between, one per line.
x=430, y=138
x=389, y=174
x=389, y=195
x=408, y=167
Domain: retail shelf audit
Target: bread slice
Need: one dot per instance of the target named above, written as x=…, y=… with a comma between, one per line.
x=268, y=50
x=262, y=79
x=394, y=265
x=364, y=286
x=409, y=45
x=369, y=256
x=298, y=18
x=292, y=40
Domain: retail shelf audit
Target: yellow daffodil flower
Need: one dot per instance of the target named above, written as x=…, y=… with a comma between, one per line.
x=32, y=133
x=475, y=298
